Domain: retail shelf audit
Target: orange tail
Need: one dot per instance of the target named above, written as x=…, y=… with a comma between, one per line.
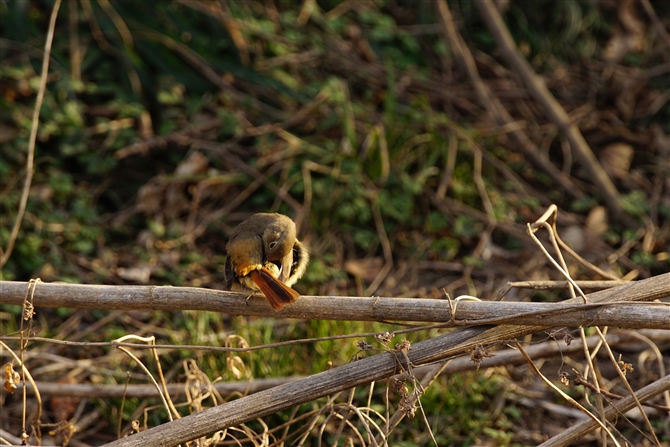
x=277, y=293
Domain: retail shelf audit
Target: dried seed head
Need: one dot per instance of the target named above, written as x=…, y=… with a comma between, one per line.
x=363, y=345
x=384, y=338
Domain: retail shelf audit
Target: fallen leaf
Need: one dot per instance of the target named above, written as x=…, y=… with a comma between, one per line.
x=629, y=38
x=195, y=163
x=135, y=274
x=64, y=407
x=236, y=366
x=573, y=236
x=596, y=221
x=150, y=197
x=616, y=159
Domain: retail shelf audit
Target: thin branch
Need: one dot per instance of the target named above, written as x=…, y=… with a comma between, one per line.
x=583, y=382
x=162, y=390
x=386, y=248
x=624, y=380
x=29, y=378
x=544, y=285
x=660, y=29
x=205, y=69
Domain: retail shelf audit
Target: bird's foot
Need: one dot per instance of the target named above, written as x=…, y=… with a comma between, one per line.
x=250, y=295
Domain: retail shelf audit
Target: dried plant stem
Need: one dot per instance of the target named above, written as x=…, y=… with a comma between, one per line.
x=428, y=378
x=591, y=367
x=658, y=24
x=449, y=167
x=315, y=419
x=622, y=376
x=234, y=31
x=485, y=237
x=33, y=136
x=550, y=215
x=162, y=391
x=610, y=395
x=565, y=396
x=386, y=247
x=503, y=357
x=75, y=49
x=27, y=314
x=659, y=358
x=542, y=285
x=27, y=376
x=205, y=68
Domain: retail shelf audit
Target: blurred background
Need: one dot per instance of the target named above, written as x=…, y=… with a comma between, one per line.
x=165, y=124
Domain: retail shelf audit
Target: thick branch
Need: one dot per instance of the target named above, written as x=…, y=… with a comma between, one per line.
x=629, y=315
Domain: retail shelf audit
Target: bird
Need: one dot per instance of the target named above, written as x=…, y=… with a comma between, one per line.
x=264, y=254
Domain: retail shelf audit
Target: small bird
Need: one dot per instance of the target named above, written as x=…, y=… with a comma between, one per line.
x=264, y=254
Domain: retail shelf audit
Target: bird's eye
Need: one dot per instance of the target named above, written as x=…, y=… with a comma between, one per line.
x=272, y=245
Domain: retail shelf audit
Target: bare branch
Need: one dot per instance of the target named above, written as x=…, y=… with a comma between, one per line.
x=468, y=313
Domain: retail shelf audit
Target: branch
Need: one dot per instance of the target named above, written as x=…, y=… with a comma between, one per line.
x=363, y=371
x=92, y=390
x=557, y=114
x=463, y=313
x=511, y=357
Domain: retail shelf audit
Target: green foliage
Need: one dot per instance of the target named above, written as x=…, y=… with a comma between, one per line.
x=583, y=205
x=635, y=203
